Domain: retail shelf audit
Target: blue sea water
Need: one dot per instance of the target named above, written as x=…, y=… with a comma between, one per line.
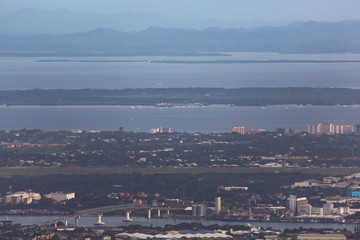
x=193, y=119
x=29, y=73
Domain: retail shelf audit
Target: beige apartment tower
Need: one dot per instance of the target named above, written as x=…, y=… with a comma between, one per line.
x=238, y=129
x=217, y=205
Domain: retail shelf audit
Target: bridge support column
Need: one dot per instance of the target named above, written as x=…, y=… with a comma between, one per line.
x=77, y=221
x=159, y=213
x=128, y=219
x=149, y=214
x=99, y=221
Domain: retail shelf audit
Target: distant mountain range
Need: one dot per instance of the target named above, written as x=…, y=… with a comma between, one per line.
x=63, y=21
x=305, y=37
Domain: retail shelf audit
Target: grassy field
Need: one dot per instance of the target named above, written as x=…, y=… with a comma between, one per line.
x=35, y=171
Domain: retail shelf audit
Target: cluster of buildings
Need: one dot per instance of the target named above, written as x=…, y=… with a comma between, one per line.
x=331, y=182
x=28, y=197
x=287, y=131
x=60, y=196
x=317, y=129
x=21, y=198
x=160, y=130
x=303, y=211
x=181, y=231
x=172, y=149
x=309, y=208
x=253, y=233
x=242, y=130
x=331, y=129
x=201, y=210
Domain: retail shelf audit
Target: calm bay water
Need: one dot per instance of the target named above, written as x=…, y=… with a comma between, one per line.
x=115, y=221
x=195, y=119
x=28, y=73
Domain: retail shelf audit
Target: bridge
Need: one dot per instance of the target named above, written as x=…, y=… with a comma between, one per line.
x=101, y=210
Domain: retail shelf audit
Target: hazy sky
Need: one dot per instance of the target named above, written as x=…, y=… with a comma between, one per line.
x=239, y=10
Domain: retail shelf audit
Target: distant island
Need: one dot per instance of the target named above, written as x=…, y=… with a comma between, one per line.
x=169, y=97
x=249, y=61
x=194, y=61
x=90, y=61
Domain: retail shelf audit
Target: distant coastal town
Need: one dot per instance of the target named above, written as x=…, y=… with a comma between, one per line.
x=317, y=129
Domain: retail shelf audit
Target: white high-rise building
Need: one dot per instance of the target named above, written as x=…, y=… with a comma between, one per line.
x=329, y=128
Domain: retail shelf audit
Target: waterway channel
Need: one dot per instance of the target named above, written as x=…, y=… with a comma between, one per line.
x=116, y=221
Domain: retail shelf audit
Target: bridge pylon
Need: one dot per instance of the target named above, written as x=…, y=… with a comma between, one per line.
x=99, y=221
x=149, y=213
x=77, y=221
x=128, y=219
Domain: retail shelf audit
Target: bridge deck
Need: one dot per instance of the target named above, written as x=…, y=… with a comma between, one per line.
x=102, y=210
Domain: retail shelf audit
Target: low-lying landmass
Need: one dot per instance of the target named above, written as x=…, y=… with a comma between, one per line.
x=134, y=151
x=183, y=96
x=250, y=61
x=195, y=61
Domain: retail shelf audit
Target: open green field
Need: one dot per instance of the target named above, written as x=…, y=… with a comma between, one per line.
x=35, y=171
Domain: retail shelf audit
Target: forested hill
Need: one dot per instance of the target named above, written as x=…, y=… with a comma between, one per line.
x=182, y=96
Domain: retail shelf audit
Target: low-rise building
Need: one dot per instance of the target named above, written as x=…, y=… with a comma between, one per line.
x=60, y=196
x=18, y=198
x=306, y=183
x=288, y=131
x=328, y=208
x=160, y=130
x=198, y=210
x=22, y=198
x=354, y=194
x=271, y=165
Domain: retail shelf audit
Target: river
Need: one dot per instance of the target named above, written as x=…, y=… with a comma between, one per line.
x=115, y=221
